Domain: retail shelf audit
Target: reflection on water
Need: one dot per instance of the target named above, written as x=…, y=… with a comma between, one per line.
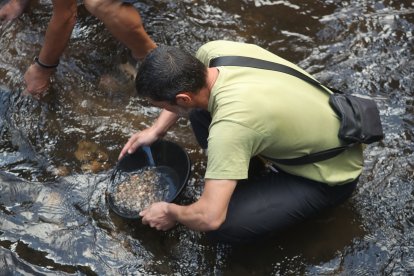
x=55, y=153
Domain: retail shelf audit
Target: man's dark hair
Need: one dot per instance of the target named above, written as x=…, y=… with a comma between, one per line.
x=166, y=71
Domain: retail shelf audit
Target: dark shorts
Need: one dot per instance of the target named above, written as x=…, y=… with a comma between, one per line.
x=269, y=202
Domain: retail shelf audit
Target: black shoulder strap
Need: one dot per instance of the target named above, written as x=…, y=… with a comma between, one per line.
x=313, y=157
x=268, y=65
x=260, y=64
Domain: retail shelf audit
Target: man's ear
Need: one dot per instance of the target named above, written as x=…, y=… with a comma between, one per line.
x=184, y=99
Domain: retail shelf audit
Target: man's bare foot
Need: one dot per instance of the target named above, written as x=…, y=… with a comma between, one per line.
x=12, y=10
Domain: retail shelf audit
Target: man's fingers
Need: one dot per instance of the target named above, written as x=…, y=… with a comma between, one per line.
x=128, y=148
x=122, y=153
x=132, y=147
x=125, y=149
x=144, y=220
x=36, y=96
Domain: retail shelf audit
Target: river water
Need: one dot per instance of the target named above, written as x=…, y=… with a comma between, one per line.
x=56, y=153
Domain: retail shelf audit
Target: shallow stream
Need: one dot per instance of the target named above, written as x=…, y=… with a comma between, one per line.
x=56, y=153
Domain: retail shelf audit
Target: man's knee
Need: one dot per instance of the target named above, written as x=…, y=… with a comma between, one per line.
x=97, y=7
x=111, y=10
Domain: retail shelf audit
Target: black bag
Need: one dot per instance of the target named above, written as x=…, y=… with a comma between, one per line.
x=360, y=120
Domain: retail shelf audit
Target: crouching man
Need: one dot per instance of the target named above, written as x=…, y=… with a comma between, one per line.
x=240, y=114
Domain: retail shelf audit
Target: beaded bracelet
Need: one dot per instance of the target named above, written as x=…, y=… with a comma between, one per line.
x=36, y=59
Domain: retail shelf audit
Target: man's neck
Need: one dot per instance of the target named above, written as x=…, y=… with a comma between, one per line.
x=204, y=94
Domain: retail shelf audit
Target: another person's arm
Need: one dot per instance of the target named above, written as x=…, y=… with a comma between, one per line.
x=148, y=136
x=12, y=10
x=206, y=214
x=58, y=33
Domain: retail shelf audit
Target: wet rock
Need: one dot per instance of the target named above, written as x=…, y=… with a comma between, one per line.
x=128, y=70
x=61, y=171
x=108, y=83
x=94, y=158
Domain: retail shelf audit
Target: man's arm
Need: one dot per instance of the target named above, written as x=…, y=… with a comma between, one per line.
x=57, y=36
x=206, y=214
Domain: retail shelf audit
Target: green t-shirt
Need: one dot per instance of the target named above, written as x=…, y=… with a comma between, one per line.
x=263, y=112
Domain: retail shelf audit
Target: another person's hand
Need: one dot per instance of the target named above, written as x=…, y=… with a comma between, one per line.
x=12, y=9
x=142, y=138
x=156, y=216
x=37, y=80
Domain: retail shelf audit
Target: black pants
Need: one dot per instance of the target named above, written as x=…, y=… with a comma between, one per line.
x=268, y=202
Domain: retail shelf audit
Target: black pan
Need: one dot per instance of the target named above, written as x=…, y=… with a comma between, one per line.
x=170, y=159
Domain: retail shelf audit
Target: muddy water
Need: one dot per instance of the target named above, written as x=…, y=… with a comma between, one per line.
x=55, y=153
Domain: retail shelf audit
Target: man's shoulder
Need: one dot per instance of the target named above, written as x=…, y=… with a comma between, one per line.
x=221, y=43
x=218, y=48
x=227, y=46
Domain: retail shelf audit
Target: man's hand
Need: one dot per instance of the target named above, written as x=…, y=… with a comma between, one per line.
x=142, y=138
x=37, y=80
x=206, y=214
x=157, y=216
x=12, y=9
x=148, y=136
